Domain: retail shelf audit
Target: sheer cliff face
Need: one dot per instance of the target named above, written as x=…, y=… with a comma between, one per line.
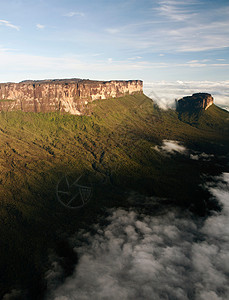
x=71, y=96
x=196, y=102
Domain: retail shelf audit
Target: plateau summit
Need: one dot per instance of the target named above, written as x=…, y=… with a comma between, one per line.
x=195, y=102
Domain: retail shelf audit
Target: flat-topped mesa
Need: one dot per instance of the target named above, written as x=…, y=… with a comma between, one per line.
x=193, y=103
x=65, y=95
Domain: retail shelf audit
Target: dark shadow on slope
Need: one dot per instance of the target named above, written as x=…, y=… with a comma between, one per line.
x=118, y=158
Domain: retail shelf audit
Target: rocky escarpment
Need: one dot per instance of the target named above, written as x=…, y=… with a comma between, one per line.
x=196, y=102
x=67, y=95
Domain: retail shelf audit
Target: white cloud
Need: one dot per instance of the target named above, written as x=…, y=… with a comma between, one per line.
x=196, y=65
x=193, y=61
x=165, y=92
x=170, y=255
x=199, y=36
x=162, y=98
x=171, y=147
x=8, y=24
x=135, y=58
x=74, y=13
x=40, y=26
x=220, y=65
x=30, y=65
x=35, y=65
x=175, y=10
x=180, y=82
x=202, y=156
x=198, y=31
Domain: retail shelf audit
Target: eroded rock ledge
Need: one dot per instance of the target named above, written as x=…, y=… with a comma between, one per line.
x=65, y=95
x=196, y=102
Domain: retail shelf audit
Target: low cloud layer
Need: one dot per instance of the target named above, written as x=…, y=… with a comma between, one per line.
x=166, y=256
x=171, y=147
x=202, y=156
x=165, y=93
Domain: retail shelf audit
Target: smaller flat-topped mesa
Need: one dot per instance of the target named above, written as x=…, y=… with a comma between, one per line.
x=65, y=95
x=196, y=102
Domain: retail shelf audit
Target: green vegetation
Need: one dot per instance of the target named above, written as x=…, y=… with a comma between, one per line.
x=114, y=146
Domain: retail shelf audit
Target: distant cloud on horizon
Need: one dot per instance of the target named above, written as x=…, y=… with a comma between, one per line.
x=165, y=92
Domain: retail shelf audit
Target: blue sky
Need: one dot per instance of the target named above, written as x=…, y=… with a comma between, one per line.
x=103, y=39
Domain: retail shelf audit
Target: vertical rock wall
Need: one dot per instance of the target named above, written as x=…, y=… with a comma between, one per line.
x=70, y=95
x=196, y=102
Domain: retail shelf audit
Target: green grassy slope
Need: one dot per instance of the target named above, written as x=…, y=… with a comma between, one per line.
x=214, y=118
x=114, y=145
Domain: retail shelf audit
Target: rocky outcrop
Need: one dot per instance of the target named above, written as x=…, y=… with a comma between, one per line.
x=196, y=102
x=67, y=95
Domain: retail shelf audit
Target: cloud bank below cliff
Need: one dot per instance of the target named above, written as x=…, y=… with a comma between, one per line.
x=166, y=256
x=165, y=92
